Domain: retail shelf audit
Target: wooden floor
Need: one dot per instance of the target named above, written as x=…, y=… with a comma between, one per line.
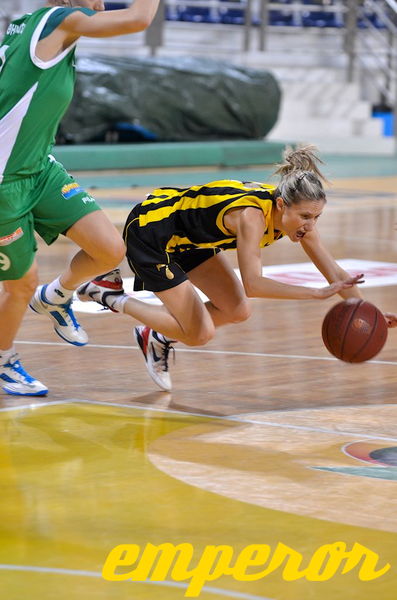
x=264, y=439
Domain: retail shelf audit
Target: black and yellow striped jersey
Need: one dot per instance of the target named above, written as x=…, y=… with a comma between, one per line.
x=180, y=219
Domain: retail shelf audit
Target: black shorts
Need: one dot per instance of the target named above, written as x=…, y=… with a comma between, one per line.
x=155, y=269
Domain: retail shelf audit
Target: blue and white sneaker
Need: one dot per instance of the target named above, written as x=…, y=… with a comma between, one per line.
x=17, y=382
x=155, y=350
x=65, y=323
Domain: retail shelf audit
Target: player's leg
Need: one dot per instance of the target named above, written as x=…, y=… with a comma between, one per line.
x=216, y=278
x=227, y=304
x=65, y=208
x=182, y=316
x=18, y=273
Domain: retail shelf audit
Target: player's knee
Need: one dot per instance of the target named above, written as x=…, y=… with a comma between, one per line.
x=112, y=254
x=200, y=337
x=241, y=312
x=23, y=289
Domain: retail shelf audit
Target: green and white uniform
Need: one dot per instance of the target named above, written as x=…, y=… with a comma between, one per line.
x=35, y=190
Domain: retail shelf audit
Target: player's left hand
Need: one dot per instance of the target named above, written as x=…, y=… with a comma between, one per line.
x=391, y=319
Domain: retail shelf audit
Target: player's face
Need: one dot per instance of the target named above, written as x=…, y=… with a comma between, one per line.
x=299, y=219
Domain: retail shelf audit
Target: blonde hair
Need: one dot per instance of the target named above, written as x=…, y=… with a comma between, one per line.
x=59, y=2
x=300, y=176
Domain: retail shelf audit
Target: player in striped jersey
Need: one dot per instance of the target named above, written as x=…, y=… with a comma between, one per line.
x=174, y=239
x=37, y=74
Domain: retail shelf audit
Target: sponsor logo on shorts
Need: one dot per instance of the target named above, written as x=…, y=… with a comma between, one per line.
x=70, y=190
x=168, y=273
x=87, y=199
x=5, y=262
x=8, y=239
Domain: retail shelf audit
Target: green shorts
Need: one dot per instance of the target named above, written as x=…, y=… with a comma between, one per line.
x=49, y=203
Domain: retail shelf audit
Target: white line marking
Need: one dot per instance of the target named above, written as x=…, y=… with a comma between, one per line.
x=225, y=352
x=237, y=419
x=33, y=405
x=75, y=572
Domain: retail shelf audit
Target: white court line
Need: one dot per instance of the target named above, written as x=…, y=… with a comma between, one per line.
x=225, y=352
x=229, y=418
x=75, y=572
x=33, y=405
x=237, y=419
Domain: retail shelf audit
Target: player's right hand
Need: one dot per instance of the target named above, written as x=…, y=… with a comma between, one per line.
x=338, y=286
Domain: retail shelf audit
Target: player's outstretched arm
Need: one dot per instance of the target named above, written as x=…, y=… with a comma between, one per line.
x=327, y=265
x=136, y=17
x=332, y=272
x=249, y=225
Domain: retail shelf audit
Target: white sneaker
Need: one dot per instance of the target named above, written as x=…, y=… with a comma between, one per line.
x=102, y=289
x=17, y=382
x=65, y=323
x=156, y=354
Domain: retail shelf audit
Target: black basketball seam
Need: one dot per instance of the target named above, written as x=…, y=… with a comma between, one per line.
x=347, y=328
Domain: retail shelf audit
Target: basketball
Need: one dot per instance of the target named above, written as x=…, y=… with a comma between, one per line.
x=354, y=330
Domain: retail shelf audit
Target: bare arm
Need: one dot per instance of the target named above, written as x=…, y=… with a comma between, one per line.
x=136, y=17
x=326, y=264
x=103, y=24
x=249, y=225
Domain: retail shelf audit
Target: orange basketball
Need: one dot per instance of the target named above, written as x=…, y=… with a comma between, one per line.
x=354, y=330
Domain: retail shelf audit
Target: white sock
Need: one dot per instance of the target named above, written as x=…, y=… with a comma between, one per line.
x=55, y=293
x=5, y=355
x=118, y=302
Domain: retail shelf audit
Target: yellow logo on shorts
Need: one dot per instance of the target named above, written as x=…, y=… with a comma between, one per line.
x=71, y=189
x=168, y=273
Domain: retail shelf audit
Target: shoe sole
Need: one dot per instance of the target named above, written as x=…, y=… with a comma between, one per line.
x=11, y=393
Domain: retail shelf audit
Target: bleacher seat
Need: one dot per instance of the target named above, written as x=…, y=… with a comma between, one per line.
x=232, y=16
x=115, y=5
x=198, y=14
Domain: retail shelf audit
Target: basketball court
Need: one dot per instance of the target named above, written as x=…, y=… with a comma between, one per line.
x=265, y=438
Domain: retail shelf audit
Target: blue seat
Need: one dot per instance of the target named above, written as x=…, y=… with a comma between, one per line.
x=319, y=18
x=281, y=18
x=198, y=14
x=232, y=16
x=115, y=5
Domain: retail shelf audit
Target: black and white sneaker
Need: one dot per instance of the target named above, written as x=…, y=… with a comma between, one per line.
x=102, y=289
x=155, y=350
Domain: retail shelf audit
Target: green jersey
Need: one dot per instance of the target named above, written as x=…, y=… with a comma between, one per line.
x=34, y=94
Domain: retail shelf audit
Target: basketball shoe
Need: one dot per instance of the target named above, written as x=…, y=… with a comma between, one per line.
x=62, y=315
x=103, y=289
x=17, y=382
x=155, y=349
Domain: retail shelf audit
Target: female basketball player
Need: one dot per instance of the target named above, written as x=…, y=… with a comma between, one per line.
x=37, y=74
x=174, y=240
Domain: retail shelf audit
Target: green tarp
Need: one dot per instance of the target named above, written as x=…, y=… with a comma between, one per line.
x=169, y=99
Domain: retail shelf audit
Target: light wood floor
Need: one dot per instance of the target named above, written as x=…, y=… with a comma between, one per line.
x=258, y=442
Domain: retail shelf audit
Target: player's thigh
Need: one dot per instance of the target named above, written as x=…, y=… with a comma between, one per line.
x=217, y=280
x=186, y=306
x=97, y=235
